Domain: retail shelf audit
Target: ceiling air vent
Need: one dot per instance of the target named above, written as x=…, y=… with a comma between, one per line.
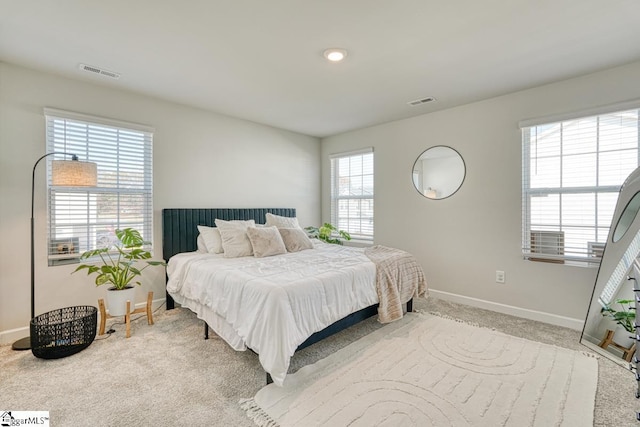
x=100, y=71
x=421, y=101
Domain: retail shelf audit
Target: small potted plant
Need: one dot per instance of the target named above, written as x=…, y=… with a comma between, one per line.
x=117, y=267
x=625, y=318
x=328, y=233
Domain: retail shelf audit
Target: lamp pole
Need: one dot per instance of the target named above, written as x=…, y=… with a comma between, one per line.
x=25, y=343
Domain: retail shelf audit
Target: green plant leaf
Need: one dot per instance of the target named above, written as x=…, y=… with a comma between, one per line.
x=94, y=252
x=139, y=254
x=129, y=237
x=106, y=269
x=101, y=279
x=625, y=317
x=90, y=268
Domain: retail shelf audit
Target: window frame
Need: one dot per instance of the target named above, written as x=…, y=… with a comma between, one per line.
x=110, y=182
x=335, y=197
x=575, y=257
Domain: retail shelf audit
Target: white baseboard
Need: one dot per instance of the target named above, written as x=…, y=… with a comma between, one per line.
x=525, y=313
x=12, y=335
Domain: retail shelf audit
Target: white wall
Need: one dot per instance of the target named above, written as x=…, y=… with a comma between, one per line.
x=200, y=159
x=461, y=241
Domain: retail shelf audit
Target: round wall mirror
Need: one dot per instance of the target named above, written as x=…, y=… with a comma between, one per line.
x=438, y=172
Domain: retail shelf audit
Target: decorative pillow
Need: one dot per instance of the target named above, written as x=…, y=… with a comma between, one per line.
x=266, y=241
x=211, y=239
x=234, y=237
x=221, y=223
x=295, y=239
x=201, y=246
x=282, y=221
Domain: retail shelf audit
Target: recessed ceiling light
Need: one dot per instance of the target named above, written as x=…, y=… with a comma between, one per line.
x=335, y=55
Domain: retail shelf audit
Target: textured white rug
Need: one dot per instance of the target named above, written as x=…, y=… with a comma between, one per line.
x=426, y=370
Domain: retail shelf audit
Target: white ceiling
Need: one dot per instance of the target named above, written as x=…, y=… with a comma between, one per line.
x=261, y=60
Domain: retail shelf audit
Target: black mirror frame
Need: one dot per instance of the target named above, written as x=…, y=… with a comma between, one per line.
x=464, y=175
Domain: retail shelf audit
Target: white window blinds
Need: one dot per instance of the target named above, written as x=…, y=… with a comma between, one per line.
x=572, y=173
x=82, y=218
x=352, y=193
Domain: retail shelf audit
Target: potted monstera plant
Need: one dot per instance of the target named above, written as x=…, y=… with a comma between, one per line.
x=328, y=233
x=118, y=267
x=625, y=318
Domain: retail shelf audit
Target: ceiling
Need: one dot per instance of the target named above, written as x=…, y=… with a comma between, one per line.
x=262, y=60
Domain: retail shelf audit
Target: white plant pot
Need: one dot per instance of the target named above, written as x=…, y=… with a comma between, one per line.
x=623, y=337
x=117, y=300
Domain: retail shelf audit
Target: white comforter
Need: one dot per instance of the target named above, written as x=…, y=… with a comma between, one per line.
x=275, y=303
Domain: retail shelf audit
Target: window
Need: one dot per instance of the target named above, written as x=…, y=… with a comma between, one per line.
x=352, y=193
x=572, y=173
x=83, y=218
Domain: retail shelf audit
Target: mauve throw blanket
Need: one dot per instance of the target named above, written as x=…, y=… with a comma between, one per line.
x=398, y=279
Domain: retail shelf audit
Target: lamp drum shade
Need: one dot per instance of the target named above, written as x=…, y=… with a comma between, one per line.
x=74, y=173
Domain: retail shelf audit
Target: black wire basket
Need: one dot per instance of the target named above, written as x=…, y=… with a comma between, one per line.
x=63, y=332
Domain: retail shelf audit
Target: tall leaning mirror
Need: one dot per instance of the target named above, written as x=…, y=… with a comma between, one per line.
x=438, y=172
x=610, y=325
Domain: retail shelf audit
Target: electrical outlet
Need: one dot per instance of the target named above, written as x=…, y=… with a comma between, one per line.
x=500, y=278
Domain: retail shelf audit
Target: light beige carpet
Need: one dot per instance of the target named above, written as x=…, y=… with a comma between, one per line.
x=431, y=371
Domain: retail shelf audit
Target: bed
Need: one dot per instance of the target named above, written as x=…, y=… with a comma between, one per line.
x=273, y=305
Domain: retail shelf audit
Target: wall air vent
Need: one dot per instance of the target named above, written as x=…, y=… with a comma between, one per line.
x=100, y=71
x=421, y=101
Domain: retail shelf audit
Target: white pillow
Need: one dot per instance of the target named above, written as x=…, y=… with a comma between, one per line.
x=266, y=241
x=235, y=241
x=282, y=221
x=221, y=223
x=211, y=238
x=201, y=246
x=295, y=239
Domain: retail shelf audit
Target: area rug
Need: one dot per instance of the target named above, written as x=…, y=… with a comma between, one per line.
x=426, y=370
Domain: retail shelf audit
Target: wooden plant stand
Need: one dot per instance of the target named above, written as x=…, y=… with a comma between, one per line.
x=627, y=353
x=127, y=317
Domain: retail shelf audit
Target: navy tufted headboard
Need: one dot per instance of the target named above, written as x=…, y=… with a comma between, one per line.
x=180, y=226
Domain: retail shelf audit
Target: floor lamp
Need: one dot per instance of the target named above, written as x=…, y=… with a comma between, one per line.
x=65, y=173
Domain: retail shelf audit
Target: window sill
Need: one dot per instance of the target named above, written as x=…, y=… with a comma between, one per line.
x=570, y=263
